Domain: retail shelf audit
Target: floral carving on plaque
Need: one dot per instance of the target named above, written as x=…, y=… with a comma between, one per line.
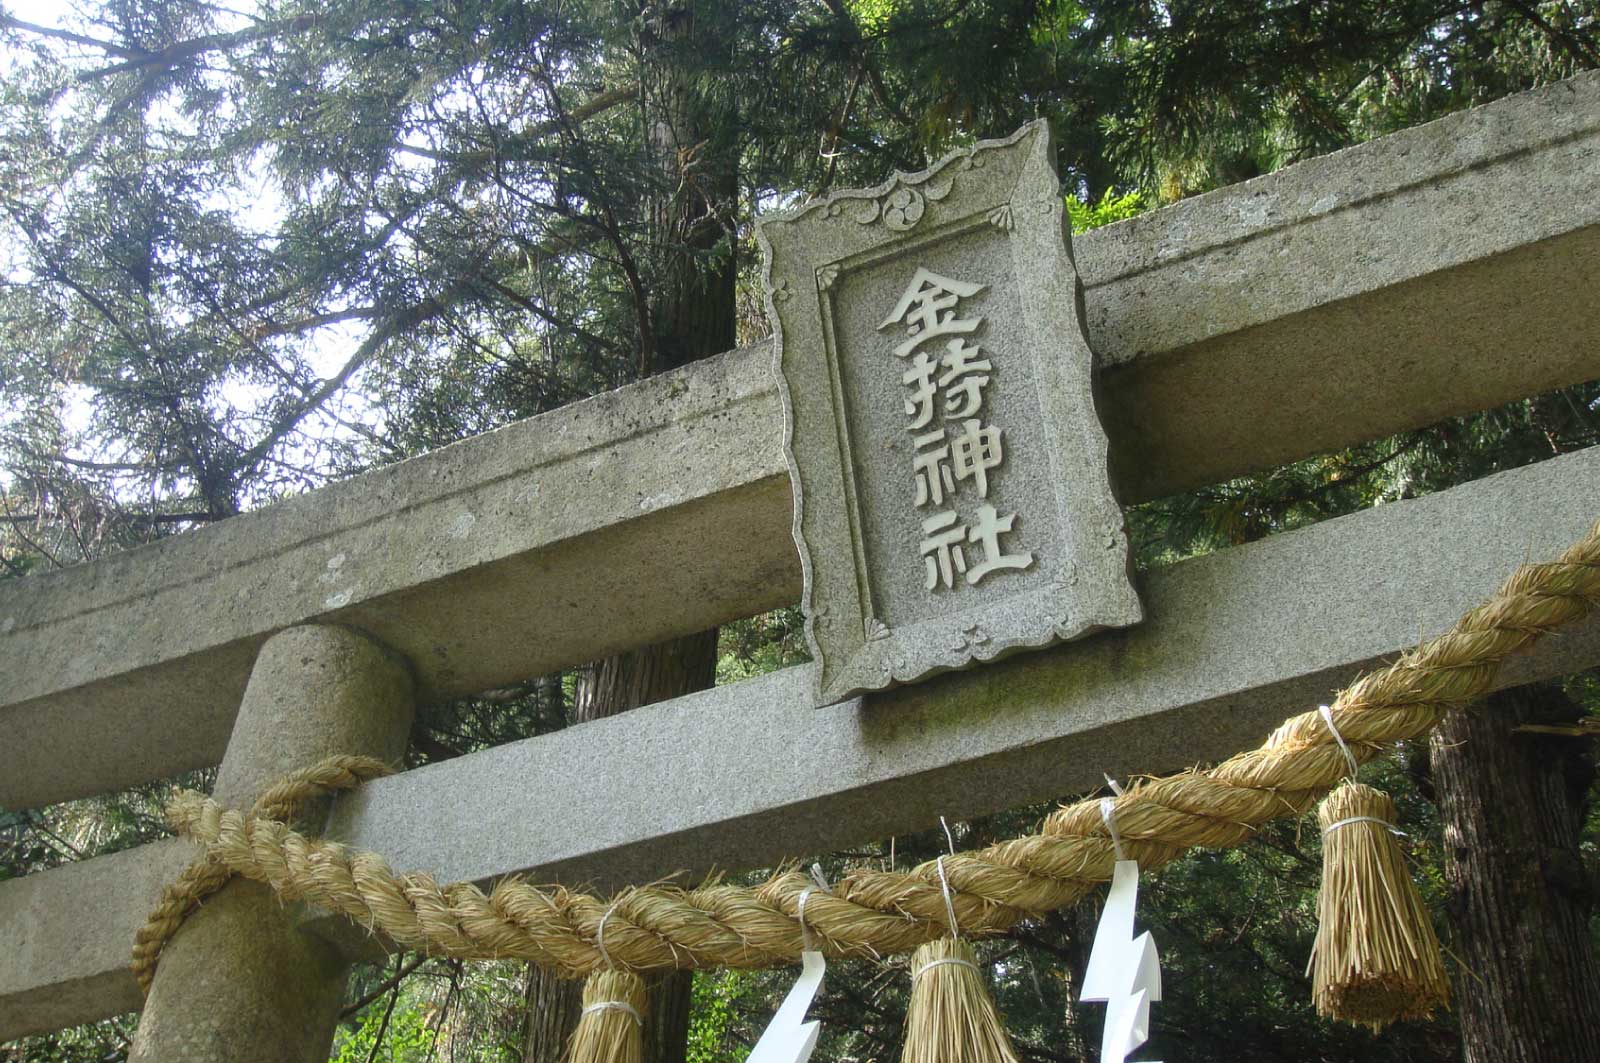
x=947, y=460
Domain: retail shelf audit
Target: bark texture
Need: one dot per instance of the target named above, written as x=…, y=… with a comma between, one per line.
x=627, y=681
x=553, y=1006
x=1512, y=805
x=645, y=676
x=693, y=140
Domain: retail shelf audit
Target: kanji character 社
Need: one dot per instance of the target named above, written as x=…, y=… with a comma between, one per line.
x=932, y=467
x=964, y=378
x=987, y=531
x=974, y=451
x=928, y=309
x=942, y=553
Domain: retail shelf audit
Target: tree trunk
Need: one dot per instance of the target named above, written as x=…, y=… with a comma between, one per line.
x=551, y=1004
x=693, y=142
x=1512, y=805
x=693, y=139
x=552, y=1008
x=666, y=1031
x=627, y=681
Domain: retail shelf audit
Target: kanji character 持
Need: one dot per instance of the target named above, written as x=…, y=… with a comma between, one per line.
x=919, y=407
x=964, y=378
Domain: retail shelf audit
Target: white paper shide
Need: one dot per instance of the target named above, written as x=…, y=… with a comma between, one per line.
x=789, y=1038
x=1124, y=971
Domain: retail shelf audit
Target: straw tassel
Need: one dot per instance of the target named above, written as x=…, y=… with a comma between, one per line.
x=951, y=1017
x=610, y=1029
x=1376, y=957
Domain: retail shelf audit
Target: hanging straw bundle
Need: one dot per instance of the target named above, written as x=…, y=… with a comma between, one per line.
x=610, y=1029
x=1376, y=958
x=951, y=1018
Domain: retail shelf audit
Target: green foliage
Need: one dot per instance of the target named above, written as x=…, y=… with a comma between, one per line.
x=91, y=1043
x=293, y=243
x=1404, y=466
x=406, y=1038
x=1109, y=208
x=1218, y=91
x=713, y=1015
x=761, y=644
x=439, y=1010
x=33, y=840
x=283, y=248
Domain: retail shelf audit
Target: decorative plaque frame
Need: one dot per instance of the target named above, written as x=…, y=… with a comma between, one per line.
x=954, y=508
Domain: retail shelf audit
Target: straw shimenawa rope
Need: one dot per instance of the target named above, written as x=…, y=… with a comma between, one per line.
x=871, y=913
x=282, y=802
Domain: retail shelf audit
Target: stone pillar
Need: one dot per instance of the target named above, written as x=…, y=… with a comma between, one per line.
x=239, y=980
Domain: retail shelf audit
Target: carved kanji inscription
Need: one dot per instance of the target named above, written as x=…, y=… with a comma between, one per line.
x=947, y=459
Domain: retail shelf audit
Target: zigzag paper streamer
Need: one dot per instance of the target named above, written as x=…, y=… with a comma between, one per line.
x=788, y=1038
x=1124, y=971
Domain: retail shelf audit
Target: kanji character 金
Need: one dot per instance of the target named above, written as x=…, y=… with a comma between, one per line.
x=928, y=309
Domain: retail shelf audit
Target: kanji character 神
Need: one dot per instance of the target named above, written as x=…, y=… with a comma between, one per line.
x=974, y=451
x=932, y=467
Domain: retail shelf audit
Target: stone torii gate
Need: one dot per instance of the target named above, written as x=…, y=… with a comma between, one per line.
x=1438, y=271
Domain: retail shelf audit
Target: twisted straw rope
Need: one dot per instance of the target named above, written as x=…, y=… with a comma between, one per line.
x=872, y=913
x=283, y=801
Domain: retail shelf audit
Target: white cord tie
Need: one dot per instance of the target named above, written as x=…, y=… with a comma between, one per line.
x=1385, y=824
x=944, y=883
x=600, y=943
x=958, y=961
x=1350, y=758
x=800, y=906
x=1108, y=812
x=949, y=905
x=614, y=1005
x=800, y=913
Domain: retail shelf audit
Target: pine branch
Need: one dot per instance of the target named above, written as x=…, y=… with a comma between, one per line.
x=131, y=518
x=182, y=51
x=405, y=319
x=54, y=33
x=590, y=108
x=608, y=220
x=1582, y=50
x=874, y=78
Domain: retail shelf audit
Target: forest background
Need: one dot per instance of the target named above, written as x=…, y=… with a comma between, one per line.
x=249, y=250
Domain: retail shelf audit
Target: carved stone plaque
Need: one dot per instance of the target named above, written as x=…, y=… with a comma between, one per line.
x=949, y=468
